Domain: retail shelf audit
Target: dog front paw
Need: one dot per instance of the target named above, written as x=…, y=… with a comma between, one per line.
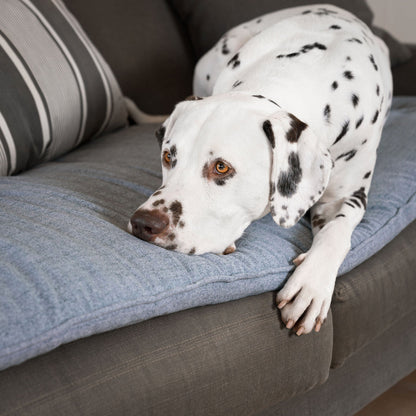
x=305, y=299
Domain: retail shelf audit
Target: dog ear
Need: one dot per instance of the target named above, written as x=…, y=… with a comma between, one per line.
x=300, y=167
x=160, y=134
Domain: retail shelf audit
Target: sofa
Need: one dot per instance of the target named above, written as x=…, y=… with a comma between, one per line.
x=96, y=322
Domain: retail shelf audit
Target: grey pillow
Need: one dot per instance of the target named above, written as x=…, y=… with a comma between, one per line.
x=56, y=90
x=208, y=20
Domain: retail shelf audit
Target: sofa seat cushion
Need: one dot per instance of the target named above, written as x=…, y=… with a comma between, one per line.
x=69, y=269
x=374, y=296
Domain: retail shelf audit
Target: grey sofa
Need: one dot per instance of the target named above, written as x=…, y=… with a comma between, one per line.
x=233, y=358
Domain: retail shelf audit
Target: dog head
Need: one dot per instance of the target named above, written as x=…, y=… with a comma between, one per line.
x=228, y=160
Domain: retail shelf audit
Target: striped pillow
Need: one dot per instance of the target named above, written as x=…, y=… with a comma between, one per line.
x=56, y=91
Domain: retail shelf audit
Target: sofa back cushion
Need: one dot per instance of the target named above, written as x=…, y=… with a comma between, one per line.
x=146, y=46
x=56, y=90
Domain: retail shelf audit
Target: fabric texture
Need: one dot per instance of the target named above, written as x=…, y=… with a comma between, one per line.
x=69, y=269
x=227, y=359
x=146, y=47
x=56, y=90
x=207, y=21
x=404, y=76
x=376, y=296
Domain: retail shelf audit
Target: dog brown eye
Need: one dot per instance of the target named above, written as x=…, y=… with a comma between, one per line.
x=221, y=167
x=167, y=158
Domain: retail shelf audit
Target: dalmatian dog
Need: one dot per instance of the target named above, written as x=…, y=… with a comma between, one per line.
x=287, y=116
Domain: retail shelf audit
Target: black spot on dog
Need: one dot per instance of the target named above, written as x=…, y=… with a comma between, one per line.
x=192, y=251
x=219, y=182
x=258, y=20
x=334, y=85
x=348, y=75
x=364, y=141
x=307, y=12
x=324, y=12
x=355, y=202
x=158, y=202
x=361, y=196
x=282, y=220
x=355, y=40
x=160, y=135
x=224, y=49
x=315, y=45
x=157, y=193
x=349, y=204
x=355, y=100
x=348, y=155
x=378, y=90
x=343, y=132
x=171, y=247
x=181, y=224
x=288, y=181
x=348, y=58
x=327, y=113
x=171, y=236
x=173, y=151
x=335, y=27
x=237, y=83
x=301, y=212
x=371, y=57
x=367, y=175
x=234, y=61
x=375, y=117
x=284, y=207
x=296, y=129
x=267, y=128
x=208, y=77
x=339, y=215
x=274, y=102
x=304, y=49
x=358, y=123
x=318, y=222
x=176, y=210
x=272, y=189
x=258, y=96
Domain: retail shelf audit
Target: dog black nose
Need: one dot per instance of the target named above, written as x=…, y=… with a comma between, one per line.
x=147, y=225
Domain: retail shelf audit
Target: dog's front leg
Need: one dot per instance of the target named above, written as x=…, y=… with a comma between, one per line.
x=305, y=299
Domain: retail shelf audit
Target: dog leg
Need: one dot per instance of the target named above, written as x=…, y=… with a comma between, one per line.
x=305, y=299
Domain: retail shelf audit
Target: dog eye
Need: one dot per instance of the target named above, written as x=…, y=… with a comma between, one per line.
x=167, y=158
x=221, y=167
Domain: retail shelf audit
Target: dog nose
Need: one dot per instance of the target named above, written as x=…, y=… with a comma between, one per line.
x=147, y=225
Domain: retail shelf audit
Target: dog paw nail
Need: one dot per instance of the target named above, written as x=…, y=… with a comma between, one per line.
x=290, y=324
x=300, y=331
x=282, y=304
